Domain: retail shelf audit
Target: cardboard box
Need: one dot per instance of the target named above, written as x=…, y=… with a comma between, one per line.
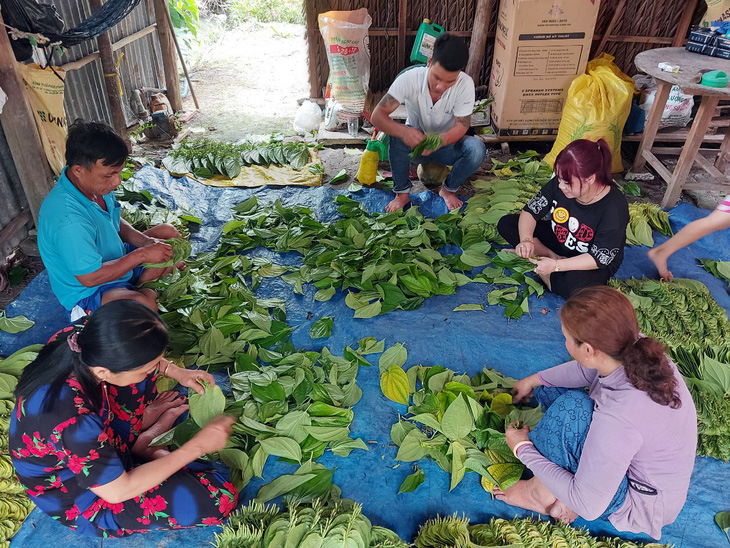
x=539, y=49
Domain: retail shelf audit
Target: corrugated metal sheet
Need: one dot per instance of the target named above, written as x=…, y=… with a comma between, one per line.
x=140, y=65
x=12, y=197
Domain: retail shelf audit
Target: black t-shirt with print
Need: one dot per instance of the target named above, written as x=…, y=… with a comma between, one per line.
x=598, y=229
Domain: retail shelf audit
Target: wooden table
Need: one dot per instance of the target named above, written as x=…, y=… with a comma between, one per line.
x=690, y=65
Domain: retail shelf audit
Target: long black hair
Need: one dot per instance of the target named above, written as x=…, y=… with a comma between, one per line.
x=121, y=336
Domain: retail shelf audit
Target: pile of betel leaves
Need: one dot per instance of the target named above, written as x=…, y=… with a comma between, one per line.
x=14, y=502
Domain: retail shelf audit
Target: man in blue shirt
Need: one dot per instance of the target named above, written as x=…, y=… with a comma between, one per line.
x=93, y=256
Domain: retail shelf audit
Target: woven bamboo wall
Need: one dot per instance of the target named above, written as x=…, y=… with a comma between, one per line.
x=643, y=24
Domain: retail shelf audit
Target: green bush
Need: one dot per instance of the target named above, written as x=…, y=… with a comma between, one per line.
x=266, y=11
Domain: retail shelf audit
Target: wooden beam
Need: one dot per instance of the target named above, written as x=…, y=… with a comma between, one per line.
x=111, y=79
x=401, y=51
x=310, y=15
x=73, y=65
x=21, y=131
x=477, y=46
x=683, y=26
x=10, y=229
x=167, y=47
x=392, y=32
x=609, y=29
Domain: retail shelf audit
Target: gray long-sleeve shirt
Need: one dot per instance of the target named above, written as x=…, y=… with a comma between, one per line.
x=629, y=434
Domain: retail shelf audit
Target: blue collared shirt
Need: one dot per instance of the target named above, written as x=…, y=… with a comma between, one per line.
x=75, y=236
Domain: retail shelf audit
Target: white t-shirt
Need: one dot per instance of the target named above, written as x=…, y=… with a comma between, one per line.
x=411, y=88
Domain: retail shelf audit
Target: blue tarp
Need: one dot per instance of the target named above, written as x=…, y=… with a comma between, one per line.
x=433, y=335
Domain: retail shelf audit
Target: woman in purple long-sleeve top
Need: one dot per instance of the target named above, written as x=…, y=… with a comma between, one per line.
x=622, y=451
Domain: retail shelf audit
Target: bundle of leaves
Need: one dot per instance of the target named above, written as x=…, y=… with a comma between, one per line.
x=643, y=217
x=319, y=525
x=142, y=210
x=180, y=251
x=683, y=315
x=393, y=260
x=14, y=503
x=722, y=519
x=431, y=141
x=534, y=533
x=457, y=421
x=204, y=159
x=707, y=373
x=680, y=313
x=719, y=269
x=295, y=408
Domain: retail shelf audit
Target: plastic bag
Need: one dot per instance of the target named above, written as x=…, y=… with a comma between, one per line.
x=597, y=107
x=45, y=93
x=307, y=118
x=345, y=36
x=678, y=110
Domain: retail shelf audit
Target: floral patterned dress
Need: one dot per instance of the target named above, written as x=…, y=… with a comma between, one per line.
x=60, y=455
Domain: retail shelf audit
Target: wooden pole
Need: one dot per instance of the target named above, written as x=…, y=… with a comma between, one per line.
x=21, y=131
x=683, y=27
x=111, y=79
x=310, y=14
x=182, y=61
x=401, y=51
x=477, y=47
x=609, y=29
x=167, y=45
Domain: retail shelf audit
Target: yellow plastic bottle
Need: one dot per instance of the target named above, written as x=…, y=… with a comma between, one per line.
x=374, y=151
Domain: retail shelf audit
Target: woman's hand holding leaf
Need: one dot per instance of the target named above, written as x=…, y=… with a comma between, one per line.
x=515, y=435
x=190, y=378
x=523, y=389
x=212, y=437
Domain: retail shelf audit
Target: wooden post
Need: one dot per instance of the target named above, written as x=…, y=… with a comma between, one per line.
x=169, y=61
x=21, y=131
x=683, y=27
x=401, y=51
x=652, y=124
x=111, y=78
x=310, y=7
x=482, y=20
x=609, y=29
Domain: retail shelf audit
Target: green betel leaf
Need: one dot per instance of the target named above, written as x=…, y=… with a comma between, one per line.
x=234, y=458
x=281, y=486
x=723, y=268
x=395, y=355
x=457, y=420
x=412, y=482
x=472, y=257
x=282, y=447
x=325, y=294
x=292, y=425
x=205, y=407
x=469, y=307
x=718, y=374
x=322, y=328
x=410, y=448
x=370, y=345
x=394, y=384
x=458, y=457
x=722, y=519
x=16, y=324
x=212, y=342
x=502, y=405
x=343, y=448
x=429, y=420
x=506, y=475
x=369, y=311
x=341, y=176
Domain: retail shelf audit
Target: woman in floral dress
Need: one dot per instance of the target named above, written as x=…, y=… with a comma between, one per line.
x=86, y=412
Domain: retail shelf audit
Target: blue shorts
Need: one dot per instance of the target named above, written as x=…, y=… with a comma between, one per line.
x=89, y=304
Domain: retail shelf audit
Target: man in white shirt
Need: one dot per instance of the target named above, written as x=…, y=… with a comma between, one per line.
x=439, y=99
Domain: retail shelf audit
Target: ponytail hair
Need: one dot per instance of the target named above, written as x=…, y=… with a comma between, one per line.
x=604, y=318
x=122, y=336
x=582, y=158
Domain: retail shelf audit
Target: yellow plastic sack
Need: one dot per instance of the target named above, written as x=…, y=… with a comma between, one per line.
x=45, y=93
x=597, y=107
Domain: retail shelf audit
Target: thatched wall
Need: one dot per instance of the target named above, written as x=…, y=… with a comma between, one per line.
x=624, y=28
